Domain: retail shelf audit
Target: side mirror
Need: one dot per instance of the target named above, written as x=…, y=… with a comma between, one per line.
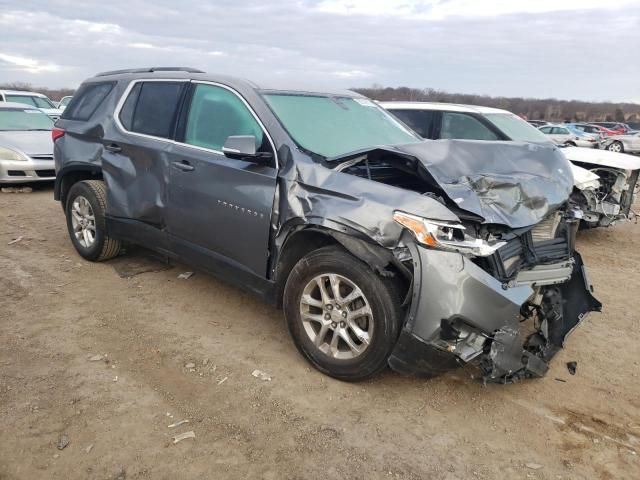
x=243, y=147
x=240, y=146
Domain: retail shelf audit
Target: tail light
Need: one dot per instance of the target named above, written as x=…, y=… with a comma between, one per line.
x=56, y=133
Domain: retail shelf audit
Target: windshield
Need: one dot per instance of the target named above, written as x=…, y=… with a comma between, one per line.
x=65, y=101
x=516, y=128
x=334, y=126
x=24, y=119
x=40, y=102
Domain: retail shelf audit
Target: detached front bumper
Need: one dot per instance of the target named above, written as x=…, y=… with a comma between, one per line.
x=460, y=313
x=21, y=171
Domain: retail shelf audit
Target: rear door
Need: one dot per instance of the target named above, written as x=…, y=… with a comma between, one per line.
x=560, y=135
x=220, y=208
x=421, y=121
x=135, y=156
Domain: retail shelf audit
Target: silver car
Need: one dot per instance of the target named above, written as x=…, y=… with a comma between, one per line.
x=565, y=135
x=628, y=143
x=26, y=147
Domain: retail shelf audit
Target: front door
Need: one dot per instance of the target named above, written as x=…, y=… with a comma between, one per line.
x=220, y=208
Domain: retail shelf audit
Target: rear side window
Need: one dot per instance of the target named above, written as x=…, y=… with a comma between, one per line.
x=87, y=100
x=421, y=121
x=463, y=126
x=151, y=108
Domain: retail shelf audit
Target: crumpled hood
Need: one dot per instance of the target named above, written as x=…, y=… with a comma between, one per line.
x=31, y=143
x=509, y=183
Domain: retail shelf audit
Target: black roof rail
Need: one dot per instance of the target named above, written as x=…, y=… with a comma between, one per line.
x=150, y=70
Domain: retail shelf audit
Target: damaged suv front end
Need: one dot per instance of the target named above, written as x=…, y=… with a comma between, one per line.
x=502, y=285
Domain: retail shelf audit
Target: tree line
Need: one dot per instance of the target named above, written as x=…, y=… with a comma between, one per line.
x=549, y=109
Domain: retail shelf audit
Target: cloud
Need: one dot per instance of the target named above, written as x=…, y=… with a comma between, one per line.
x=439, y=9
x=542, y=48
x=24, y=64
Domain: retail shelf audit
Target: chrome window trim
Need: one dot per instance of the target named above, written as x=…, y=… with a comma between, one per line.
x=127, y=92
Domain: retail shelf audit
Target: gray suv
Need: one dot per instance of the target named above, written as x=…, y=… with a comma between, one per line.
x=382, y=249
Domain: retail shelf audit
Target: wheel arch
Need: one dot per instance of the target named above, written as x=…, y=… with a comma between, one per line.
x=300, y=240
x=72, y=174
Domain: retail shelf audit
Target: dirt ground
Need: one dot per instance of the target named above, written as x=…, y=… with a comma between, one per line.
x=58, y=312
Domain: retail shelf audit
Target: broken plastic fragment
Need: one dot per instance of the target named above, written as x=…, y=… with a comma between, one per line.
x=182, y=436
x=264, y=376
x=177, y=424
x=185, y=275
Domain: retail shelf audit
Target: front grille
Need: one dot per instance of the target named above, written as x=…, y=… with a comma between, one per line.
x=547, y=242
x=546, y=229
x=46, y=173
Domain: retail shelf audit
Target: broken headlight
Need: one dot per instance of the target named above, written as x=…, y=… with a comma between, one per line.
x=448, y=236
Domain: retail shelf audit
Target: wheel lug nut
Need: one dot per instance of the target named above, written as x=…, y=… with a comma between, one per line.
x=338, y=307
x=344, y=314
x=327, y=316
x=342, y=324
x=329, y=307
x=334, y=324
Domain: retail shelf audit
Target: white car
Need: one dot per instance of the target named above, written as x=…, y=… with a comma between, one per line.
x=33, y=99
x=64, y=101
x=437, y=121
x=564, y=135
x=609, y=200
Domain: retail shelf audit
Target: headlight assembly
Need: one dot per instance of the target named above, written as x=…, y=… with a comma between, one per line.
x=446, y=236
x=9, y=154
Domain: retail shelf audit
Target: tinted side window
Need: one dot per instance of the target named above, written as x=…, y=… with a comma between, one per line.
x=126, y=113
x=151, y=108
x=217, y=113
x=420, y=121
x=87, y=100
x=463, y=126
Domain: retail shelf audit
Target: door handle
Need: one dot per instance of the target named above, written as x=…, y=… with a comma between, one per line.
x=113, y=147
x=184, y=166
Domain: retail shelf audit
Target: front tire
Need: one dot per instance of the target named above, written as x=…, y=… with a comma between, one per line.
x=616, y=147
x=85, y=211
x=343, y=317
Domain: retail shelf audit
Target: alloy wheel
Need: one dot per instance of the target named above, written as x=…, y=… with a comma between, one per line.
x=336, y=316
x=83, y=222
x=615, y=147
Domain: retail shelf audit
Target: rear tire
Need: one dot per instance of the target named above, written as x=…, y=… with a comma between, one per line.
x=85, y=210
x=369, y=305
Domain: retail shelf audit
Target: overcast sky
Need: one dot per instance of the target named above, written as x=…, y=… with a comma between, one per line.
x=583, y=49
